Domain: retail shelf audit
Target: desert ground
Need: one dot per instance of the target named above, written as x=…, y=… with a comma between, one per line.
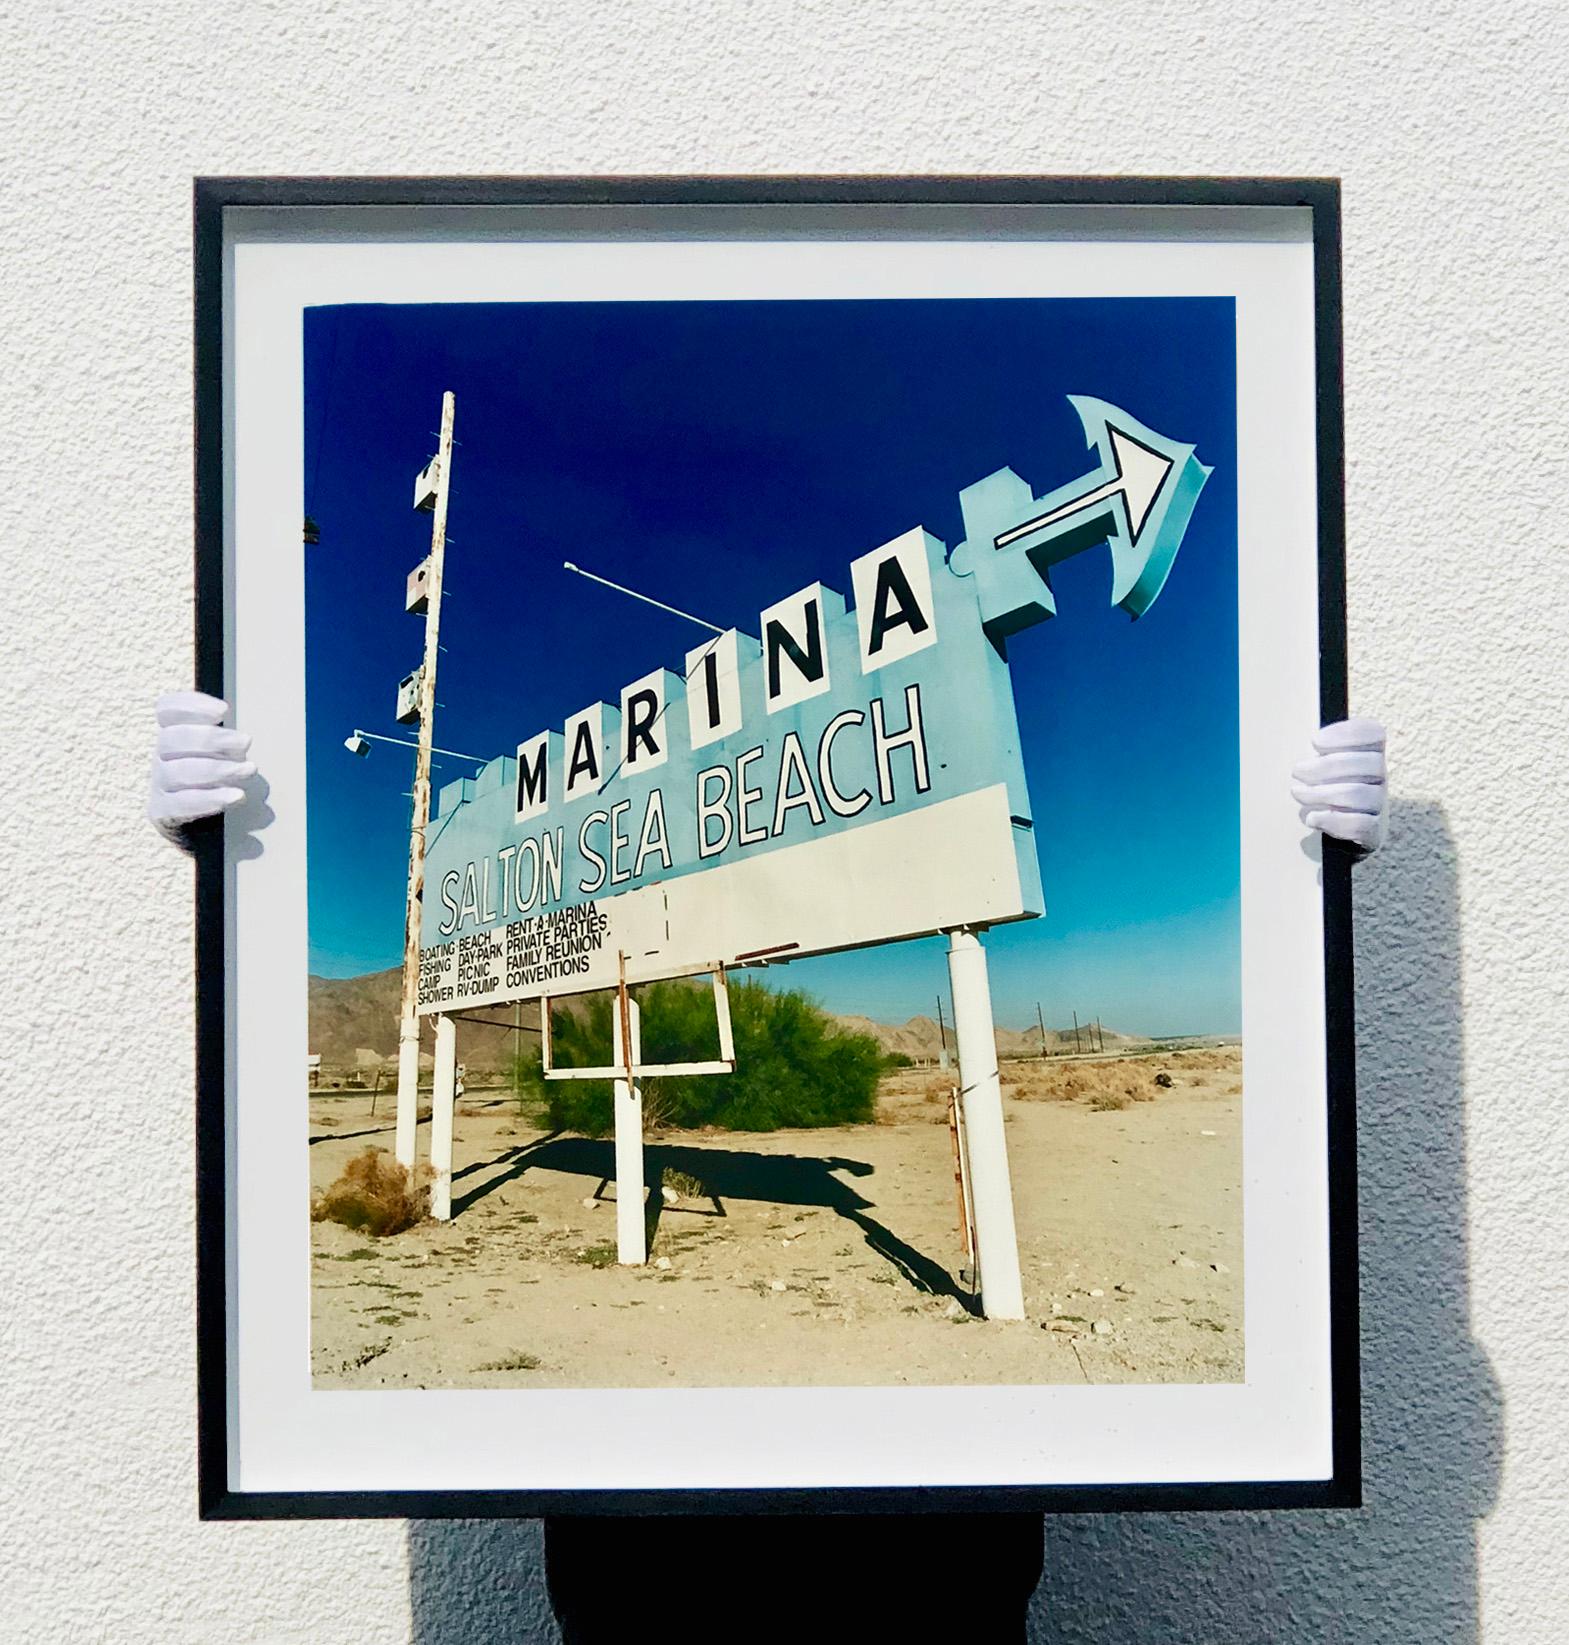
x=827, y=1257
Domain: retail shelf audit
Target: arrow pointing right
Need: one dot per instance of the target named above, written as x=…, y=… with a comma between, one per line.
x=1140, y=474
x=1138, y=501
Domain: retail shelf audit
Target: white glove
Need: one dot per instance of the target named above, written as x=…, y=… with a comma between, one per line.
x=1344, y=789
x=198, y=764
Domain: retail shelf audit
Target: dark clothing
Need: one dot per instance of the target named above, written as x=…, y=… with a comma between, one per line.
x=818, y=1579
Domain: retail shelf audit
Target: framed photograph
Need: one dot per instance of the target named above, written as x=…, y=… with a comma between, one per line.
x=772, y=964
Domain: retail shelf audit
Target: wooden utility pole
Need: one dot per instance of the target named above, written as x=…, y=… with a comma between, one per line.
x=1077, y=1048
x=1042, y=1021
x=408, y=1010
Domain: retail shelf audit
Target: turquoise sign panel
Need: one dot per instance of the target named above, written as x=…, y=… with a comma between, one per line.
x=835, y=716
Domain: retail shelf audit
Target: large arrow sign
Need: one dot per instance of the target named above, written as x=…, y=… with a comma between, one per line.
x=828, y=776
x=1139, y=501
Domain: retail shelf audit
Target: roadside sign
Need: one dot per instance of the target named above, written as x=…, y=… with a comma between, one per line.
x=839, y=777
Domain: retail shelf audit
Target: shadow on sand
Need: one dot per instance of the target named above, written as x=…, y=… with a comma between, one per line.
x=726, y=1174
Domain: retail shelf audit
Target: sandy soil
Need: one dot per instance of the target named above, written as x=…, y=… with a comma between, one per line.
x=828, y=1257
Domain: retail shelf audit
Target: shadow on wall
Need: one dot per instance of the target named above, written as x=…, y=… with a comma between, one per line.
x=478, y=1582
x=1403, y=1568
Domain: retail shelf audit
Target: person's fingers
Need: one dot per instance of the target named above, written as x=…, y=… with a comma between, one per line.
x=190, y=805
x=1361, y=765
x=173, y=775
x=1364, y=797
x=190, y=708
x=1344, y=735
x=1355, y=827
x=1343, y=790
x=171, y=830
x=178, y=742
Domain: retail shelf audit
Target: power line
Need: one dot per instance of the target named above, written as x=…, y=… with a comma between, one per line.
x=632, y=593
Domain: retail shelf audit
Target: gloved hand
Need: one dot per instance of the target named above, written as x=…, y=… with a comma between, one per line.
x=1343, y=790
x=198, y=763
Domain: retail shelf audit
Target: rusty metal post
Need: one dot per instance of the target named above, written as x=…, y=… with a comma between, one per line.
x=961, y=1179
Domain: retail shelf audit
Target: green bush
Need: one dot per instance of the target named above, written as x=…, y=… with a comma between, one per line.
x=795, y=1067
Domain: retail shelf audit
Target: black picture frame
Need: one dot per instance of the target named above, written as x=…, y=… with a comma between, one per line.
x=212, y=196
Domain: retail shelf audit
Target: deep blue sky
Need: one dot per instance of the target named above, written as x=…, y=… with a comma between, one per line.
x=719, y=456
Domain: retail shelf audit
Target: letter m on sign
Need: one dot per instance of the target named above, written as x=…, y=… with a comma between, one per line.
x=537, y=758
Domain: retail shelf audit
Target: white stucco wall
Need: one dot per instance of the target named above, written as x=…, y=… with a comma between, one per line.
x=1446, y=122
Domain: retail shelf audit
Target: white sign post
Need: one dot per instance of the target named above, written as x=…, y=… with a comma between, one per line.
x=980, y=1094
x=627, y=1052
x=443, y=1099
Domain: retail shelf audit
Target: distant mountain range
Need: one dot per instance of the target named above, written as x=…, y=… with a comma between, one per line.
x=352, y=1018
x=355, y=1020
x=923, y=1037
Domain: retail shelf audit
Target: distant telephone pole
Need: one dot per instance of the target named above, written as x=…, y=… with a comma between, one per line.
x=942, y=1032
x=1042, y=1021
x=1077, y=1048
